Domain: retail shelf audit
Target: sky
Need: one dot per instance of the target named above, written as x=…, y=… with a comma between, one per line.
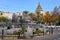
x=28, y=5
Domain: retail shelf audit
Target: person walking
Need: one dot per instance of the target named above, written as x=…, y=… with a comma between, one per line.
x=51, y=30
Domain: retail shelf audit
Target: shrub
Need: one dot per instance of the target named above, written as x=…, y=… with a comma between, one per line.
x=15, y=33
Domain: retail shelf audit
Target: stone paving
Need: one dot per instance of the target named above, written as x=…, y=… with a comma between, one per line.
x=55, y=36
x=15, y=38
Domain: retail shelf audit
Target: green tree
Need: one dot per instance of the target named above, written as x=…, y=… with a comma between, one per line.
x=23, y=29
x=3, y=19
x=57, y=22
x=25, y=12
x=22, y=25
x=38, y=31
x=31, y=15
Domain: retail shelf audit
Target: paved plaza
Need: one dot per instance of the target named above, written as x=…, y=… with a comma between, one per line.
x=55, y=36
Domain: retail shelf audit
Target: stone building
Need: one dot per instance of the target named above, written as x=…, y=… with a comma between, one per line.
x=8, y=15
x=26, y=17
x=39, y=12
x=16, y=17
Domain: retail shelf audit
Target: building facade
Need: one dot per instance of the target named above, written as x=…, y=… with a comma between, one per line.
x=39, y=12
x=8, y=15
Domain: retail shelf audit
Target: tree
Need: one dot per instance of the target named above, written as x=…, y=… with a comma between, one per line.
x=47, y=17
x=33, y=17
x=20, y=31
x=21, y=21
x=57, y=22
x=22, y=26
x=23, y=29
x=38, y=31
x=3, y=19
x=55, y=17
x=25, y=13
x=38, y=15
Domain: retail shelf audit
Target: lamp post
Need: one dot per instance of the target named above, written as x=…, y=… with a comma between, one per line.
x=2, y=33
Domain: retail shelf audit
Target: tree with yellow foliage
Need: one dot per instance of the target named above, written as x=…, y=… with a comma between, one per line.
x=47, y=17
x=55, y=17
x=3, y=19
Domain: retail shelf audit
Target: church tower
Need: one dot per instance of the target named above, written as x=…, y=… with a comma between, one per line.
x=39, y=12
x=39, y=9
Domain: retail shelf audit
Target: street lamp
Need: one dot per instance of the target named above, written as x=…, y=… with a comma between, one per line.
x=2, y=33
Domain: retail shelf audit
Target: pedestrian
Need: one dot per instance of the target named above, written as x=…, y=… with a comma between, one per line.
x=18, y=34
x=51, y=30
